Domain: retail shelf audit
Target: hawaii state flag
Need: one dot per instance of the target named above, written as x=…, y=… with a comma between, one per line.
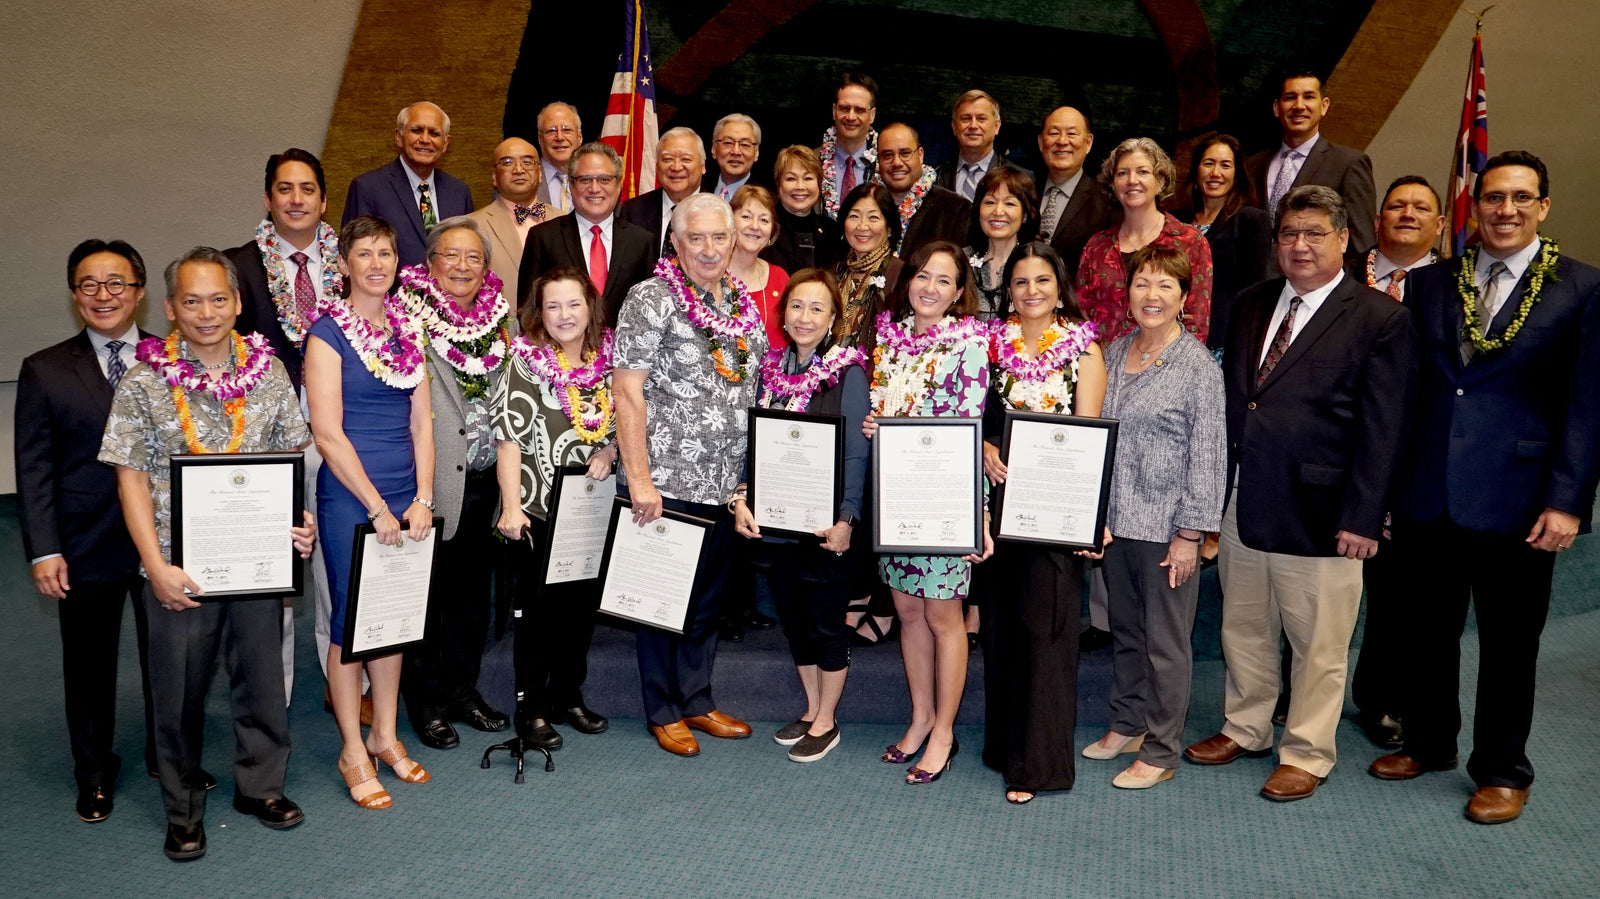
x=1472, y=151
x=630, y=126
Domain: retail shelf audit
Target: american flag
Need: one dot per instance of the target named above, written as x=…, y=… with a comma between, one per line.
x=630, y=126
x=1472, y=151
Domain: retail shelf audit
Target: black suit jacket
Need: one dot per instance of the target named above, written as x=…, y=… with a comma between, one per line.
x=760, y=175
x=944, y=215
x=1518, y=429
x=67, y=499
x=1345, y=170
x=258, y=313
x=1317, y=445
x=386, y=193
x=1087, y=214
x=644, y=211
x=557, y=242
x=1241, y=255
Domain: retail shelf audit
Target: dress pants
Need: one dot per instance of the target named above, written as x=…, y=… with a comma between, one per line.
x=183, y=650
x=810, y=589
x=443, y=673
x=1443, y=567
x=1314, y=602
x=1376, y=685
x=91, y=627
x=554, y=627
x=1152, y=658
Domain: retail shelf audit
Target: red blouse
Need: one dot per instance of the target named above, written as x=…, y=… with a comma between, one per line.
x=1103, y=284
x=767, y=301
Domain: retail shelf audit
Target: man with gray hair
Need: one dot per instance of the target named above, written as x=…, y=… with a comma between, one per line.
x=560, y=135
x=975, y=121
x=680, y=166
x=411, y=193
x=735, y=145
x=681, y=396
x=1320, y=372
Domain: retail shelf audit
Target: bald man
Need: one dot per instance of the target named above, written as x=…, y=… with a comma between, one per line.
x=515, y=208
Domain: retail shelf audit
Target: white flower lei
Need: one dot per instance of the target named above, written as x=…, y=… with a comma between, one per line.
x=905, y=364
x=282, y=290
x=830, y=188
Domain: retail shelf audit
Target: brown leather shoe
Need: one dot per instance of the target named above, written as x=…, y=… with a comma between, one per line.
x=719, y=725
x=1289, y=783
x=1496, y=805
x=1220, y=750
x=366, y=706
x=675, y=738
x=1400, y=766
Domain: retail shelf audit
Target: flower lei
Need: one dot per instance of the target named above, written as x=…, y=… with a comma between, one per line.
x=252, y=359
x=904, y=362
x=913, y=199
x=746, y=318
x=1372, y=266
x=473, y=343
x=795, y=391
x=293, y=323
x=396, y=361
x=582, y=391
x=1040, y=383
x=1543, y=267
x=830, y=189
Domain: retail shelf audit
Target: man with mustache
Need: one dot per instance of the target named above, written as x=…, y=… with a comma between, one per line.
x=412, y=193
x=975, y=121
x=927, y=212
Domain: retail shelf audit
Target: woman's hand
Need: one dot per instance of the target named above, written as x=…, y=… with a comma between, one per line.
x=1090, y=554
x=388, y=528
x=1183, y=555
x=837, y=538
x=304, y=537
x=988, y=545
x=744, y=521
x=419, y=520
x=869, y=425
x=992, y=466
x=601, y=461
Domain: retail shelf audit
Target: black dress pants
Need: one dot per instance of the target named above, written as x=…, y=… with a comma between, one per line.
x=554, y=627
x=91, y=628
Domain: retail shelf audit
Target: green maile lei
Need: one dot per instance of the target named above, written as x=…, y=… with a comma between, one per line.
x=1542, y=269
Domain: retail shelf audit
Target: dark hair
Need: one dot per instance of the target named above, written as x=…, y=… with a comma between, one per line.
x=1402, y=181
x=847, y=79
x=1163, y=258
x=1297, y=70
x=1242, y=193
x=531, y=315
x=201, y=255
x=1315, y=196
x=295, y=154
x=1515, y=157
x=94, y=245
x=826, y=279
x=877, y=193
x=966, y=302
x=361, y=228
x=1020, y=183
x=1038, y=249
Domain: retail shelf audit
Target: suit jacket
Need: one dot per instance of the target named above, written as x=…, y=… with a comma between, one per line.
x=944, y=215
x=1315, y=448
x=1518, y=429
x=258, y=313
x=386, y=193
x=1087, y=214
x=1345, y=170
x=505, y=243
x=760, y=175
x=947, y=172
x=66, y=498
x=557, y=243
x=644, y=211
x=450, y=440
x=1241, y=255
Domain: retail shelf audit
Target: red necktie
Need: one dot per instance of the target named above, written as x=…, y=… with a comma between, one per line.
x=597, y=260
x=849, y=182
x=1280, y=343
x=1394, y=289
x=305, y=296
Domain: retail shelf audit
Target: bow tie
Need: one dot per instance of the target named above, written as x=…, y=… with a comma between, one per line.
x=536, y=210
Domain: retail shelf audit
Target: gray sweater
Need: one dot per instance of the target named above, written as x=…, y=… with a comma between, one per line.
x=1172, y=456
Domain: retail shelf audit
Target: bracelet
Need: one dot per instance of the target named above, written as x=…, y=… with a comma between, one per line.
x=374, y=516
x=736, y=497
x=1199, y=539
x=425, y=502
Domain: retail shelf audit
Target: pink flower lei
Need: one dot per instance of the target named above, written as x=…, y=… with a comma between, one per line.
x=439, y=312
x=900, y=337
x=745, y=318
x=1057, y=355
x=244, y=378
x=796, y=390
x=541, y=362
x=397, y=362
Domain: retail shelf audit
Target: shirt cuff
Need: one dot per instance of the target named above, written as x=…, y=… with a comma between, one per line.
x=42, y=558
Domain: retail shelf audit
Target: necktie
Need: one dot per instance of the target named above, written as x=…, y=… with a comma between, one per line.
x=564, y=195
x=1280, y=343
x=429, y=217
x=523, y=212
x=115, y=367
x=305, y=296
x=726, y=193
x=1047, y=218
x=1488, y=301
x=597, y=260
x=848, y=183
x=1280, y=185
x=970, y=175
x=1394, y=289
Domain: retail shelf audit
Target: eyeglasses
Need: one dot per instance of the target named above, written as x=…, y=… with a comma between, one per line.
x=905, y=154
x=1313, y=238
x=89, y=287
x=729, y=143
x=586, y=180
x=511, y=162
x=456, y=257
x=554, y=130
x=1521, y=200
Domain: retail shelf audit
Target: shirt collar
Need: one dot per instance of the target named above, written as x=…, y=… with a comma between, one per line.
x=1311, y=299
x=98, y=341
x=1383, y=266
x=412, y=177
x=1070, y=185
x=1304, y=149
x=1516, y=263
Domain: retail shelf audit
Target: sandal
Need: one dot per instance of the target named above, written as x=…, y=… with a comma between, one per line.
x=879, y=634
x=1017, y=796
x=394, y=755
x=360, y=774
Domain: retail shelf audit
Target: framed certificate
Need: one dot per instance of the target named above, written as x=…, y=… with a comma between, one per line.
x=796, y=471
x=649, y=571
x=1058, y=479
x=580, y=516
x=927, y=486
x=231, y=515
x=386, y=607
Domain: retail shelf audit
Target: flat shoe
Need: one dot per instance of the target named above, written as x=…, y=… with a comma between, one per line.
x=1496, y=805
x=360, y=774
x=790, y=733
x=675, y=738
x=1098, y=750
x=718, y=724
x=1220, y=749
x=1289, y=783
x=394, y=755
x=1129, y=781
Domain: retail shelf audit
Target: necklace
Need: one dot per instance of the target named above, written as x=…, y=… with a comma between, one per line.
x=295, y=325
x=1372, y=262
x=794, y=392
x=395, y=360
x=1144, y=355
x=913, y=199
x=744, y=319
x=473, y=343
x=1466, y=281
x=905, y=364
x=252, y=359
x=830, y=188
x=583, y=391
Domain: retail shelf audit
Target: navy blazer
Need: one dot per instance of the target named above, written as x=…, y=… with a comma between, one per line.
x=258, y=313
x=1518, y=429
x=1347, y=171
x=1316, y=446
x=386, y=193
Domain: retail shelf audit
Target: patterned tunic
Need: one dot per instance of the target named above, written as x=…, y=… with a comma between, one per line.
x=1103, y=281
x=527, y=412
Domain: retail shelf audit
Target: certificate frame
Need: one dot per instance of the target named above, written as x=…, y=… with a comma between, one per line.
x=621, y=509
x=352, y=603
x=184, y=499
x=797, y=419
x=969, y=432
x=1015, y=417
x=552, y=519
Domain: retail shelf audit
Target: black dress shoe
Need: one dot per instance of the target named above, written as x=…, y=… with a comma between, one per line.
x=1093, y=638
x=538, y=732
x=276, y=813
x=438, y=734
x=731, y=630
x=583, y=719
x=184, y=843
x=1384, y=730
x=94, y=804
x=759, y=621
x=476, y=714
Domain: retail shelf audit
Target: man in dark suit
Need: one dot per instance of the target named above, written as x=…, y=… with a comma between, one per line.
x=975, y=120
x=1499, y=478
x=411, y=193
x=1319, y=370
x=938, y=214
x=680, y=170
x=1305, y=157
x=736, y=148
x=592, y=239
x=72, y=526
x=1070, y=210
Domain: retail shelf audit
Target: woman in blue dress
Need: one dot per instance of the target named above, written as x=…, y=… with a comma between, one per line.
x=364, y=359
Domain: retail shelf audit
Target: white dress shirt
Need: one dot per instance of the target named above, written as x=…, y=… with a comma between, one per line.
x=1310, y=302
x=1383, y=269
x=416, y=193
x=587, y=238
x=1516, y=264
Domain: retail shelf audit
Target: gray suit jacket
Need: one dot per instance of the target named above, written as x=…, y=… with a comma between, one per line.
x=1345, y=170
x=450, y=441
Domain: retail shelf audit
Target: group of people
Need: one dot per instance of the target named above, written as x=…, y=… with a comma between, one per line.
x=1292, y=371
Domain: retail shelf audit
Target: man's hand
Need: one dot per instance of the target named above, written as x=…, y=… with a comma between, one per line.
x=837, y=538
x=744, y=521
x=1554, y=531
x=50, y=577
x=1355, y=546
x=169, y=583
x=646, y=502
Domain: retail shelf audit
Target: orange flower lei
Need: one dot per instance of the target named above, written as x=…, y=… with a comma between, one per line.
x=234, y=407
x=720, y=362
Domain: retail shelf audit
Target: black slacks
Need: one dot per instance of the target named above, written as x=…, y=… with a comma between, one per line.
x=91, y=628
x=1376, y=686
x=553, y=630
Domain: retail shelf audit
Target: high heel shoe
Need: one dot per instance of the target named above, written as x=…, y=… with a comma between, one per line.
x=394, y=755
x=358, y=775
x=915, y=775
x=894, y=756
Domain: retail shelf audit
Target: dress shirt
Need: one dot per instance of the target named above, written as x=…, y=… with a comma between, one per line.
x=978, y=170
x=839, y=156
x=1382, y=268
x=1516, y=264
x=1066, y=188
x=726, y=190
x=130, y=340
x=1279, y=157
x=1310, y=302
x=314, y=260
x=416, y=195
x=523, y=228
x=555, y=180
x=586, y=237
